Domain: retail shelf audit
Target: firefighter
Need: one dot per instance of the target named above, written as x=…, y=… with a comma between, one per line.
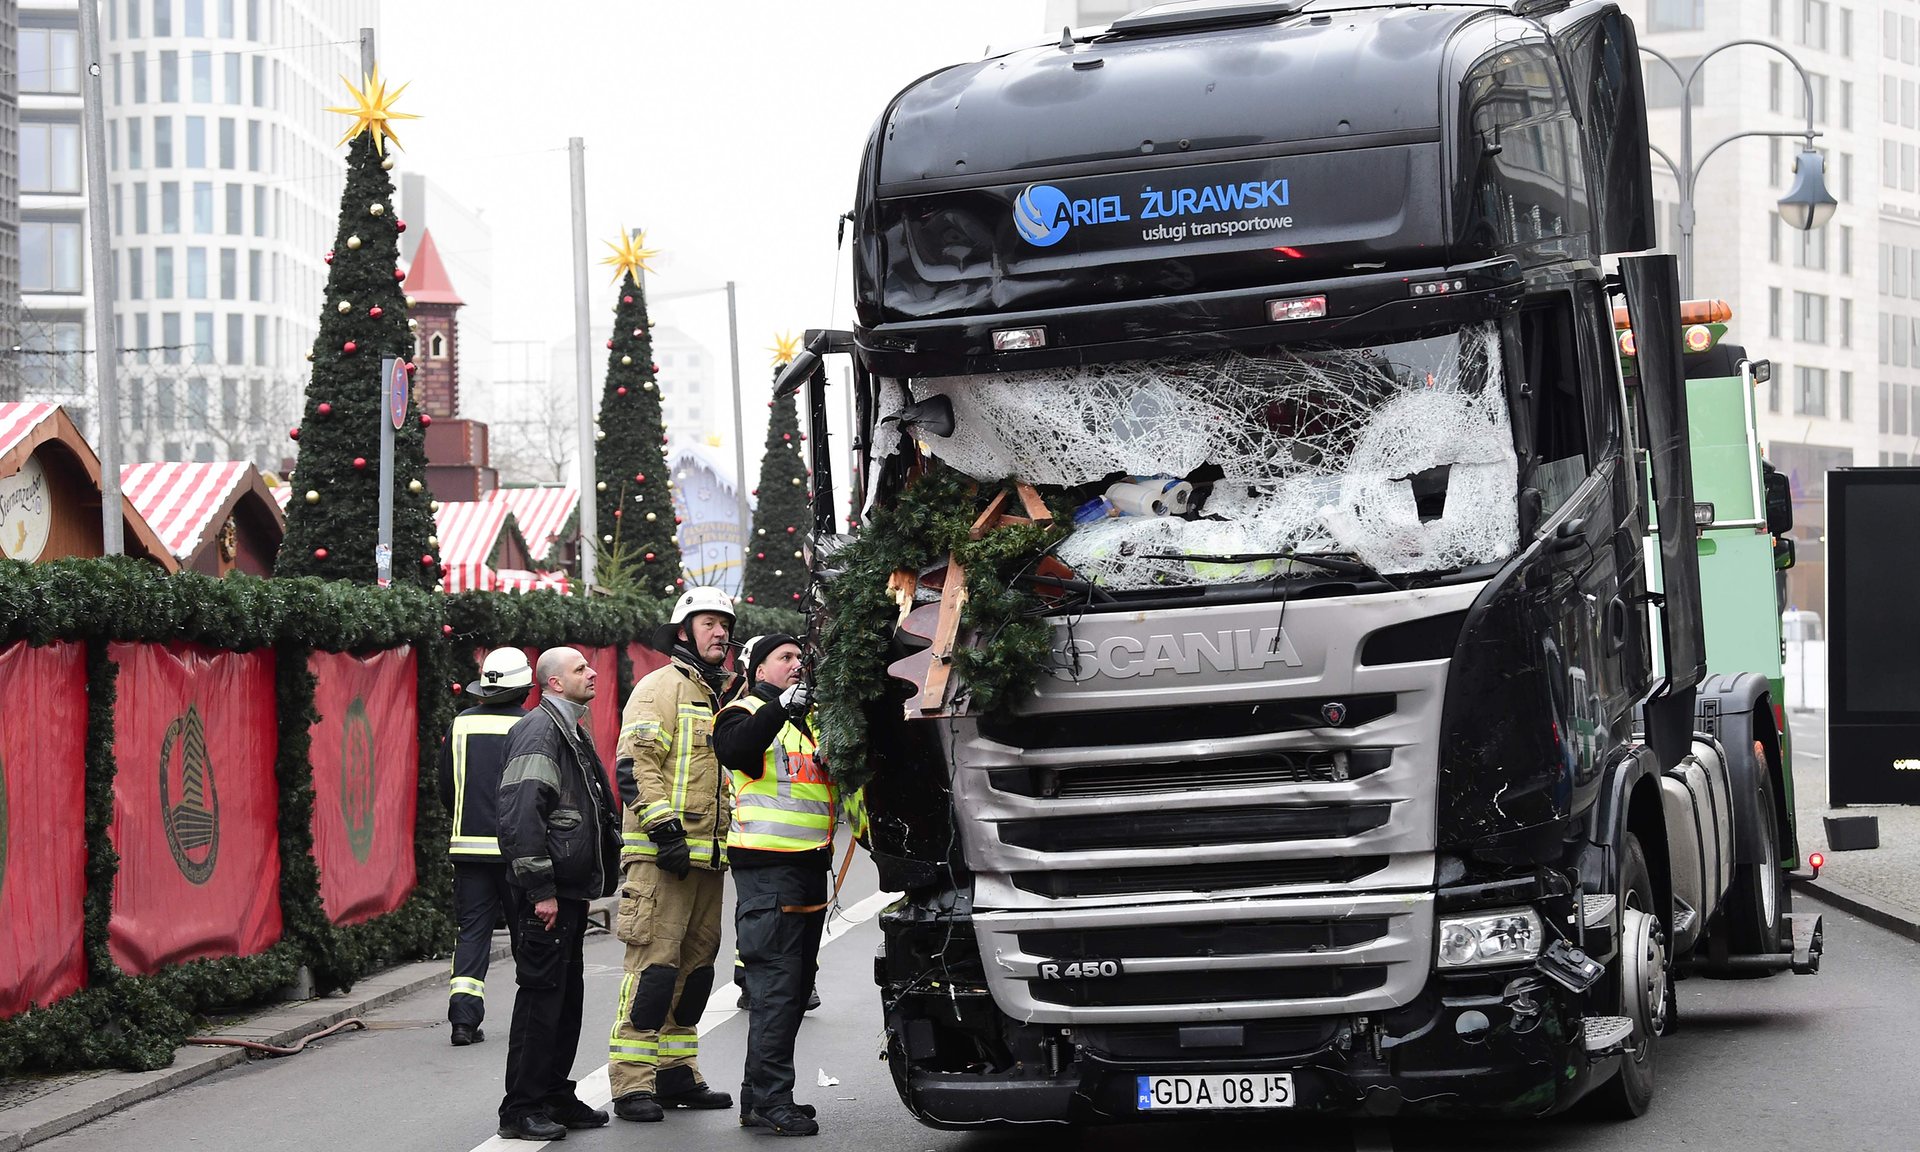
x=471, y=758
x=781, y=849
x=674, y=851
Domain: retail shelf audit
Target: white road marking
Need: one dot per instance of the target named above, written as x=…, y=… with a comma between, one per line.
x=596, y=1091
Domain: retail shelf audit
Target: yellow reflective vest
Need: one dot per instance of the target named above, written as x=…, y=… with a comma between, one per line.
x=790, y=808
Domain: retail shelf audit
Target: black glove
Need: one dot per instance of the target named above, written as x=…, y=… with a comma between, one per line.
x=674, y=855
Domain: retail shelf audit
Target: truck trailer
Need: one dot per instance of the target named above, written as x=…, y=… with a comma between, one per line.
x=1272, y=645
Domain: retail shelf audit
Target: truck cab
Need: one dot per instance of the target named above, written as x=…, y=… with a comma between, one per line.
x=1358, y=767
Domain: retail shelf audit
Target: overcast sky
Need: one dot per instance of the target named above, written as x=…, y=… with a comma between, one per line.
x=729, y=129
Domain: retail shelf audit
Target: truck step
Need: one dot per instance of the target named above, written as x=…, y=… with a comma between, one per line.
x=1683, y=916
x=1603, y=1035
x=1809, y=940
x=1596, y=909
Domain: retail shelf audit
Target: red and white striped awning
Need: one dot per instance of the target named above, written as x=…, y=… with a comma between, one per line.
x=17, y=421
x=541, y=513
x=521, y=580
x=180, y=498
x=282, y=493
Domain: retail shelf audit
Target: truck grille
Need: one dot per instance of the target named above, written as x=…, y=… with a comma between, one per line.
x=1161, y=988
x=1196, y=877
x=1195, y=722
x=1265, y=770
x=1206, y=938
x=1180, y=828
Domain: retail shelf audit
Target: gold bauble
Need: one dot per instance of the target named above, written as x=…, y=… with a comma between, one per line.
x=412, y=323
x=651, y=517
x=344, y=306
x=409, y=301
x=387, y=164
x=625, y=360
x=413, y=485
x=376, y=208
x=601, y=486
x=353, y=242
x=433, y=541
x=312, y=496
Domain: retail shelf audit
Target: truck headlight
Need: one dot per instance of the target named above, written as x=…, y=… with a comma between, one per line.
x=1498, y=937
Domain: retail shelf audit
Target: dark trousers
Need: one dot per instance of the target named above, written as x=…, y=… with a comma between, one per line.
x=780, y=951
x=550, y=970
x=479, y=896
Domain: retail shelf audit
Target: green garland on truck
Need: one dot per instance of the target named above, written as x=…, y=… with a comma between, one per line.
x=932, y=517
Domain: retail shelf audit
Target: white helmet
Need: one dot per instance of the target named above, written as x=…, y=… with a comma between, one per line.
x=702, y=598
x=504, y=670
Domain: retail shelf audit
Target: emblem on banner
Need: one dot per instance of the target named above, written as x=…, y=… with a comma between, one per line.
x=356, y=779
x=193, y=825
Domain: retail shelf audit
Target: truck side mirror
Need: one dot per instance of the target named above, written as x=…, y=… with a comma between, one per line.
x=1779, y=496
x=1783, y=555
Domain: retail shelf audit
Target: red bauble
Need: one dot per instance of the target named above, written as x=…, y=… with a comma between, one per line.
x=626, y=299
x=749, y=599
x=399, y=225
x=426, y=559
x=654, y=368
x=359, y=461
x=319, y=553
x=756, y=491
x=426, y=419
x=759, y=555
x=786, y=435
x=349, y=347
x=375, y=312
x=609, y=341
x=329, y=256
x=446, y=629
x=325, y=409
x=409, y=367
x=676, y=519
x=293, y=433
x=399, y=273
x=456, y=689
x=649, y=557
x=639, y=477
x=616, y=513
x=620, y=391
x=796, y=595
x=789, y=530
x=679, y=581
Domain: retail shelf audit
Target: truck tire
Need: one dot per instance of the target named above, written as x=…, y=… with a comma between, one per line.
x=1630, y=1092
x=1758, y=898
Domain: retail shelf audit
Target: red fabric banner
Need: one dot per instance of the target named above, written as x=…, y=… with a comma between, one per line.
x=43, y=836
x=366, y=770
x=195, y=806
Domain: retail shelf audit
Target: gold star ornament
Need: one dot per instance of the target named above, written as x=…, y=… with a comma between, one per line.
x=630, y=255
x=784, y=348
x=372, y=110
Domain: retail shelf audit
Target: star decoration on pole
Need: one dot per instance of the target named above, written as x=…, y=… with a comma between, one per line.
x=784, y=348
x=630, y=255
x=372, y=110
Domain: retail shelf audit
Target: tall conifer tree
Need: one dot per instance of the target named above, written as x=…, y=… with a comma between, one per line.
x=333, y=518
x=633, y=505
x=776, y=572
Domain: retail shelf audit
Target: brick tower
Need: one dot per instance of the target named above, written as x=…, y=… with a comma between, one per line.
x=457, y=456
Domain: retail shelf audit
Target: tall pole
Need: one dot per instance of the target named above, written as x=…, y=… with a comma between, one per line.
x=583, y=371
x=105, y=342
x=366, y=51
x=739, y=436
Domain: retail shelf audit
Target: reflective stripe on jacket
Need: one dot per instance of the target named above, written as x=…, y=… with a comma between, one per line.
x=789, y=808
x=471, y=761
x=667, y=731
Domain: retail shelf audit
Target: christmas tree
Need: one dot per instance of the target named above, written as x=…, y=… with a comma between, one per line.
x=776, y=575
x=333, y=518
x=635, y=510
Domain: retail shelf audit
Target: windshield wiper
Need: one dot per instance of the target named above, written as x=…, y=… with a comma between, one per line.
x=1340, y=566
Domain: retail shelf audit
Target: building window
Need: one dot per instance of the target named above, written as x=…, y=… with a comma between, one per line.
x=260, y=210
x=139, y=77
x=1897, y=339
x=50, y=256
x=163, y=141
x=136, y=273
x=1846, y=249
x=50, y=157
x=49, y=60
x=1813, y=23
x=226, y=19
x=1810, y=392
x=253, y=275
x=259, y=81
x=134, y=157
x=170, y=206
x=195, y=17
x=1885, y=401
x=1899, y=415
x=230, y=274
x=1773, y=313
x=1846, y=323
x=163, y=17
x=202, y=77
x=1846, y=395
x=203, y=206
x=259, y=344
x=202, y=337
x=170, y=344
x=230, y=65
x=50, y=360
x=253, y=145
x=1676, y=15
x=437, y=346
x=227, y=146
x=236, y=341
x=1846, y=33
x=197, y=274
x=196, y=141
x=1846, y=104
x=1810, y=323
x=237, y=206
x=169, y=77
x=163, y=273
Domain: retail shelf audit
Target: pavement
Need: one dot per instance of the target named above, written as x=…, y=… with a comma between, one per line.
x=1879, y=885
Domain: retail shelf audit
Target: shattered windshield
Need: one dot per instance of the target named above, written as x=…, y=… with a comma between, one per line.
x=1198, y=470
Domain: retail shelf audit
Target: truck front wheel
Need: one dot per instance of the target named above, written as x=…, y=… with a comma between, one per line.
x=1643, y=983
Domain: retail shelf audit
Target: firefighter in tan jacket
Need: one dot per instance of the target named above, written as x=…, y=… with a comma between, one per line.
x=674, y=849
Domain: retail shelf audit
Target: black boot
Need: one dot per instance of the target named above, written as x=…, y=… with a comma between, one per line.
x=535, y=1126
x=638, y=1106
x=465, y=1034
x=750, y=1118
x=786, y=1120
x=699, y=1096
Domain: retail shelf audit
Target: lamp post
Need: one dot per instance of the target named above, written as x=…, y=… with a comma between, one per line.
x=739, y=416
x=1806, y=206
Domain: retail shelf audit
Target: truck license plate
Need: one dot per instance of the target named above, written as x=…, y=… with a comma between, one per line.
x=1258, y=1090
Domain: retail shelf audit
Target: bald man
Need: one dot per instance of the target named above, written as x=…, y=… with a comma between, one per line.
x=560, y=836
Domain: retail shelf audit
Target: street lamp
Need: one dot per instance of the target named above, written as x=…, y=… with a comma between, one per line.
x=1807, y=206
x=739, y=417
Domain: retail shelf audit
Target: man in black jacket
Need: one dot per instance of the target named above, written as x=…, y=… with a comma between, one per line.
x=558, y=834
x=471, y=759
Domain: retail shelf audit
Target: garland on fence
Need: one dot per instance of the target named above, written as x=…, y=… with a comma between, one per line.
x=933, y=517
x=137, y=1021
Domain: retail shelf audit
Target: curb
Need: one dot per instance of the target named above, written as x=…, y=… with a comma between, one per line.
x=1881, y=914
x=87, y=1100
